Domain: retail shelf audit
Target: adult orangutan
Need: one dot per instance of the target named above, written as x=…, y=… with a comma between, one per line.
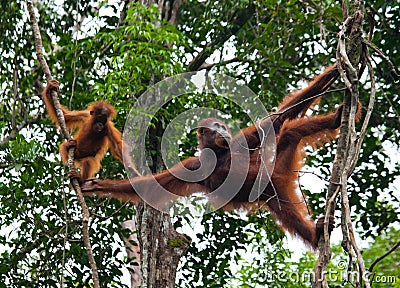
x=292, y=129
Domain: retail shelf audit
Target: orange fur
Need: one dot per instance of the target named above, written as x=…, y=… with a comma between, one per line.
x=95, y=134
x=281, y=195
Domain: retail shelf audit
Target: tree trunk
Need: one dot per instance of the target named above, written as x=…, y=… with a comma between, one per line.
x=161, y=247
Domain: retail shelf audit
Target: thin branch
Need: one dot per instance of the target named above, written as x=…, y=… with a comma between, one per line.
x=207, y=66
x=65, y=237
x=22, y=124
x=237, y=22
x=312, y=173
x=301, y=102
x=38, y=41
x=383, y=56
x=371, y=25
x=345, y=10
x=45, y=67
x=15, y=94
x=377, y=260
x=77, y=26
x=112, y=214
x=67, y=135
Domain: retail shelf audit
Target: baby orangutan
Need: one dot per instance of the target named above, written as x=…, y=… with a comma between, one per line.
x=95, y=133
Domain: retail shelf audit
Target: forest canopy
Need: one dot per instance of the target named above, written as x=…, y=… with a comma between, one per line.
x=115, y=51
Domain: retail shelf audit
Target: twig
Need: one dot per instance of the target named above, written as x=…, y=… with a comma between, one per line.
x=112, y=214
x=301, y=102
x=371, y=25
x=65, y=238
x=312, y=173
x=222, y=63
x=383, y=56
x=15, y=94
x=380, y=258
x=238, y=20
x=67, y=135
x=75, y=54
x=345, y=10
x=22, y=124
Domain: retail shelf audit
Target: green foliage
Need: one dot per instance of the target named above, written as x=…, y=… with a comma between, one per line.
x=137, y=50
x=298, y=271
x=226, y=239
x=386, y=272
x=116, y=58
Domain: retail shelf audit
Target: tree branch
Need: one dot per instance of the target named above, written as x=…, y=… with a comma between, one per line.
x=237, y=22
x=348, y=59
x=393, y=71
x=22, y=124
x=377, y=260
x=207, y=66
x=67, y=135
